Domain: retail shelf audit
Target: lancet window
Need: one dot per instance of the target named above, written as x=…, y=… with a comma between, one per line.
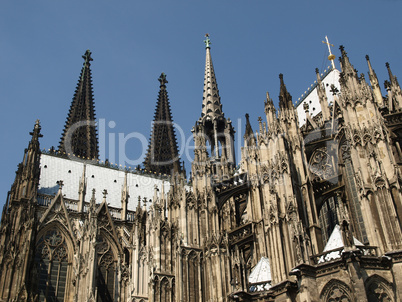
x=51, y=261
x=106, y=274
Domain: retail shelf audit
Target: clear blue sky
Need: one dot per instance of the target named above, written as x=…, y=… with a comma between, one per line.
x=132, y=42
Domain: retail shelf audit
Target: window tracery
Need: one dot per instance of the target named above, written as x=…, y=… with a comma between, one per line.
x=51, y=260
x=106, y=271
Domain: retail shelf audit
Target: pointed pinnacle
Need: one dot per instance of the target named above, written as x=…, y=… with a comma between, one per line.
x=162, y=80
x=36, y=131
x=87, y=58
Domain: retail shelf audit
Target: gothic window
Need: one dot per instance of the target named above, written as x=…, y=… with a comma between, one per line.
x=321, y=164
x=193, y=279
x=51, y=260
x=335, y=291
x=378, y=290
x=106, y=276
x=349, y=175
x=165, y=291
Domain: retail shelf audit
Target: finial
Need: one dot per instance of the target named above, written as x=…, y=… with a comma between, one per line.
x=162, y=80
x=207, y=41
x=387, y=65
x=87, y=58
x=60, y=183
x=247, y=116
x=367, y=57
x=342, y=49
x=104, y=192
x=36, y=131
x=334, y=90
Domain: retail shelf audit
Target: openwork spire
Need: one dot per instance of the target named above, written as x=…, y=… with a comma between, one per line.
x=162, y=155
x=79, y=136
x=211, y=102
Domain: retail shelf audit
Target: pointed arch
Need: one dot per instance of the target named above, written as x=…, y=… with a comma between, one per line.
x=335, y=290
x=53, y=258
x=379, y=289
x=193, y=267
x=107, y=257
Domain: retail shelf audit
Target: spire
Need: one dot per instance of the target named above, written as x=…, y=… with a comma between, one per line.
x=27, y=176
x=348, y=77
x=211, y=102
x=285, y=99
x=249, y=137
x=162, y=155
x=347, y=67
x=79, y=136
x=392, y=78
x=374, y=84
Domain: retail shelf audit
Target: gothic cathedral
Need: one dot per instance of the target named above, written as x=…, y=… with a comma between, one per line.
x=313, y=212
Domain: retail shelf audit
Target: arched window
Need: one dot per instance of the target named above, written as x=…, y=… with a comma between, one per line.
x=193, y=278
x=51, y=260
x=350, y=176
x=335, y=290
x=106, y=276
x=378, y=289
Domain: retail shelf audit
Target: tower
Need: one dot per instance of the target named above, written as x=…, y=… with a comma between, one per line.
x=79, y=136
x=162, y=155
x=213, y=133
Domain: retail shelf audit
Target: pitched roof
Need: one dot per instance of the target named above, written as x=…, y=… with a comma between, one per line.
x=261, y=272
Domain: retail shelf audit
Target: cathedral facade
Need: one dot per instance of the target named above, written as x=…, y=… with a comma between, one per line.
x=312, y=213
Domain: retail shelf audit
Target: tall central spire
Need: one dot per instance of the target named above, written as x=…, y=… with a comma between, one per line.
x=211, y=101
x=163, y=156
x=79, y=136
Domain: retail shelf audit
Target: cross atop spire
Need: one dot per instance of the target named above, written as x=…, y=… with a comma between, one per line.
x=331, y=56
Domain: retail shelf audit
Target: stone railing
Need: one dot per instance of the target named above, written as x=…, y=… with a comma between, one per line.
x=259, y=286
x=337, y=254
